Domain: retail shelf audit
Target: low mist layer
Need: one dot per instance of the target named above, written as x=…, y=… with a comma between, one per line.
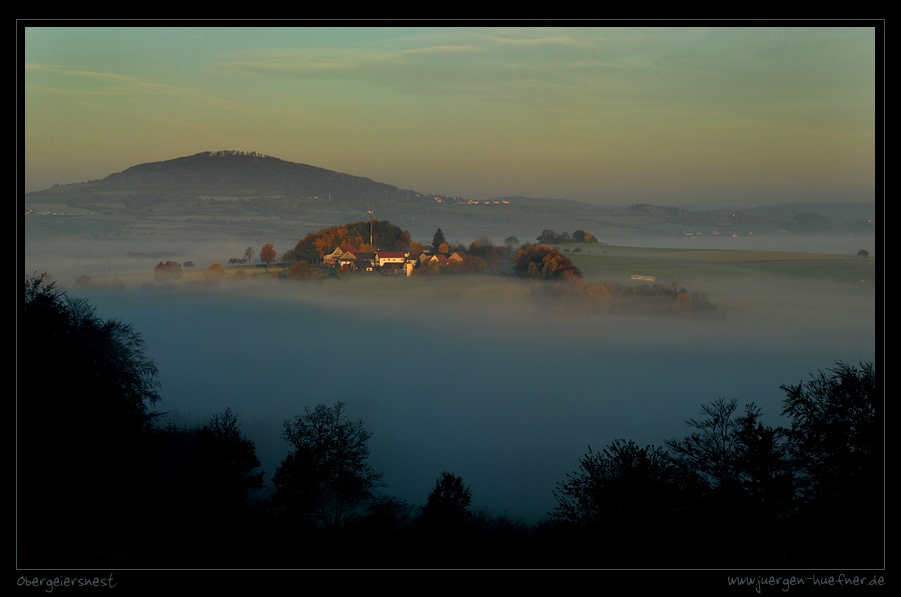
x=477, y=375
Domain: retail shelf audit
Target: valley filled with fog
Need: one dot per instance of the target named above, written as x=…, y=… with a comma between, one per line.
x=476, y=375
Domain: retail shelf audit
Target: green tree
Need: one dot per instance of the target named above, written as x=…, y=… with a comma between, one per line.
x=325, y=476
x=438, y=240
x=580, y=236
x=484, y=249
x=548, y=236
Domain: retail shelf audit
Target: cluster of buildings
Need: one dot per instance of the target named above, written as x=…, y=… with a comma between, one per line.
x=349, y=259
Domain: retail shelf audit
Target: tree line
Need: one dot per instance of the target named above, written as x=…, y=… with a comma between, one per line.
x=102, y=477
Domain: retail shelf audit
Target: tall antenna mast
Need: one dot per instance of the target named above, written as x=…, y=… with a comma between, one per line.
x=370, y=226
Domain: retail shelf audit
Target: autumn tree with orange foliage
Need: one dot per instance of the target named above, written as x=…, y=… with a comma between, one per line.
x=385, y=235
x=212, y=274
x=301, y=270
x=541, y=262
x=268, y=255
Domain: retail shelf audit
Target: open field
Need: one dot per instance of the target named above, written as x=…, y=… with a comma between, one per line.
x=687, y=266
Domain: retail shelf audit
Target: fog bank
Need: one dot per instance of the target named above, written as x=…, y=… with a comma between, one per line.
x=475, y=375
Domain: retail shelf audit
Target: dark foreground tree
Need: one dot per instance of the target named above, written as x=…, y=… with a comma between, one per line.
x=85, y=388
x=735, y=466
x=447, y=507
x=325, y=476
x=625, y=499
x=222, y=467
x=622, y=484
x=836, y=444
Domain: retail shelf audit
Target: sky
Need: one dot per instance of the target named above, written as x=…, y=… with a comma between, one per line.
x=678, y=115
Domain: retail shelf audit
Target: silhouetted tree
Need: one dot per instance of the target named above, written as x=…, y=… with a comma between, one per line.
x=447, y=507
x=863, y=254
x=386, y=514
x=248, y=254
x=224, y=466
x=325, y=476
x=736, y=466
x=627, y=497
x=624, y=483
x=836, y=444
x=85, y=388
x=712, y=451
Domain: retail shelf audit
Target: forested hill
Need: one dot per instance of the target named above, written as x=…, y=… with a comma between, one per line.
x=236, y=174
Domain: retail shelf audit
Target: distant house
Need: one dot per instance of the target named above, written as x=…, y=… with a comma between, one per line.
x=357, y=261
x=335, y=255
x=384, y=258
x=456, y=256
x=364, y=265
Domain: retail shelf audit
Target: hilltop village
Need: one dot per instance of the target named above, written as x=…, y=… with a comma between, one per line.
x=348, y=259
